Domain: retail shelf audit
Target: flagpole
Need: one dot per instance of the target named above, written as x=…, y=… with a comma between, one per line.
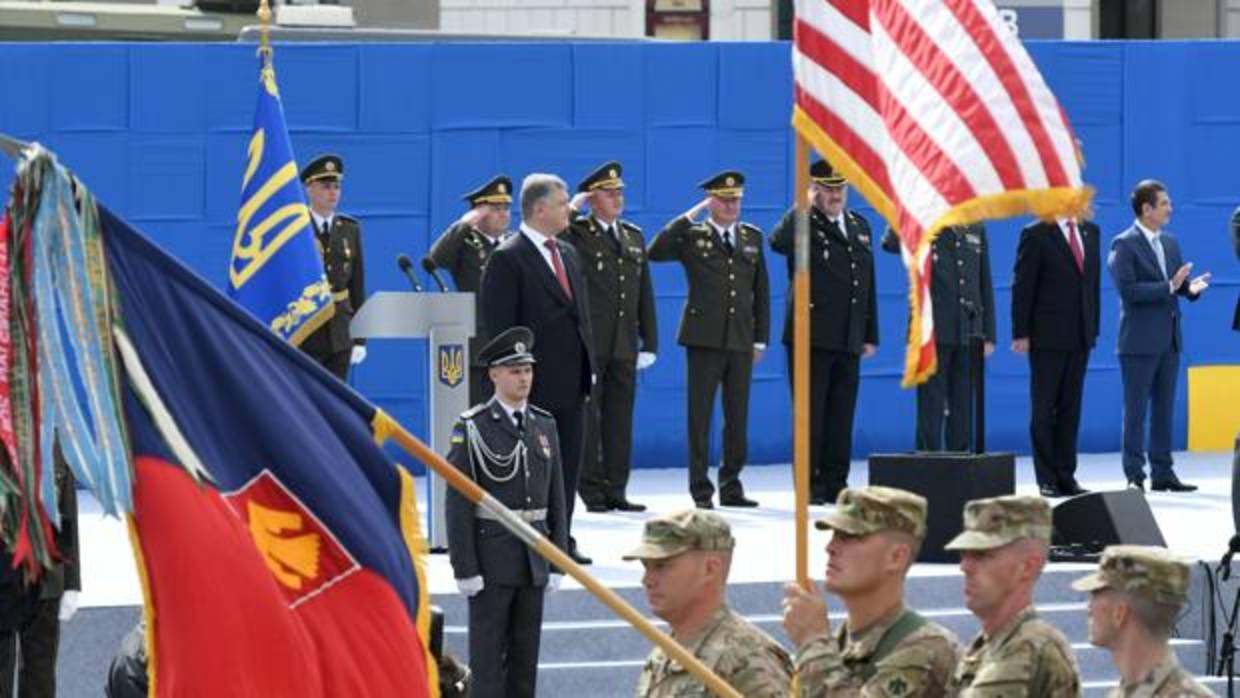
x=386, y=427
x=801, y=366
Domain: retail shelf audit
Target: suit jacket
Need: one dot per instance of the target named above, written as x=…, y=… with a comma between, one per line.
x=1149, y=314
x=1055, y=304
x=622, y=314
x=478, y=546
x=843, y=297
x=1235, y=241
x=341, y=250
x=519, y=288
x=961, y=288
x=729, y=303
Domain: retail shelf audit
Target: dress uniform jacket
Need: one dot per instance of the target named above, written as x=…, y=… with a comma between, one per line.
x=622, y=314
x=961, y=286
x=843, y=297
x=479, y=546
x=341, y=249
x=729, y=304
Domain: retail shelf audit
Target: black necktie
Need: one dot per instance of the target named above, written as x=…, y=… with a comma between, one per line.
x=727, y=241
x=519, y=419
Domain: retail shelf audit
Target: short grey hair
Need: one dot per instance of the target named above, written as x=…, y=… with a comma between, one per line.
x=1157, y=618
x=536, y=187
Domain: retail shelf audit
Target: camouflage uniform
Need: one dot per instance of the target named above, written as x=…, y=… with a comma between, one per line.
x=900, y=654
x=1156, y=575
x=751, y=661
x=1028, y=656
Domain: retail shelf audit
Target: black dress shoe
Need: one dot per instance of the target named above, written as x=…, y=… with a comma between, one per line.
x=703, y=504
x=1072, y=489
x=739, y=500
x=578, y=558
x=1172, y=485
x=1049, y=491
x=1137, y=485
x=626, y=505
x=598, y=507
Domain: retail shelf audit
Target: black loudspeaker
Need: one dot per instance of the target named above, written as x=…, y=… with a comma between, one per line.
x=947, y=481
x=1098, y=519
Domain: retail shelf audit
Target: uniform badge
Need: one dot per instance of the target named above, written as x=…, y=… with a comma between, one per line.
x=501, y=188
x=730, y=181
x=865, y=239
x=451, y=368
x=600, y=266
x=826, y=254
x=973, y=239
x=545, y=445
x=330, y=166
x=701, y=243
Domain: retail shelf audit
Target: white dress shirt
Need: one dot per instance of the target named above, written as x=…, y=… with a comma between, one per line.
x=540, y=241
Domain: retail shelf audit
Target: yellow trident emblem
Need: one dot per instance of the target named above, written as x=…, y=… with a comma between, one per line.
x=451, y=364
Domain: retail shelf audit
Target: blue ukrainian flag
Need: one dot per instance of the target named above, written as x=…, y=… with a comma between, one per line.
x=276, y=271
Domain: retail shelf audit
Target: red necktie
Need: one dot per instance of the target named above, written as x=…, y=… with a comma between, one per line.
x=558, y=265
x=1074, y=241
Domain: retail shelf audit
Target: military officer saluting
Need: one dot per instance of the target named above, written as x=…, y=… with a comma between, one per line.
x=339, y=239
x=613, y=254
x=843, y=322
x=724, y=327
x=463, y=249
x=510, y=448
x=963, y=296
x=1135, y=597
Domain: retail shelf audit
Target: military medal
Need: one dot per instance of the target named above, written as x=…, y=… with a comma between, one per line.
x=545, y=444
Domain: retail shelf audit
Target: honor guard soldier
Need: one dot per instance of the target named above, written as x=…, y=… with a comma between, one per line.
x=510, y=448
x=339, y=239
x=724, y=327
x=1003, y=549
x=1135, y=597
x=687, y=557
x=613, y=252
x=963, y=297
x=883, y=648
x=463, y=249
x=843, y=312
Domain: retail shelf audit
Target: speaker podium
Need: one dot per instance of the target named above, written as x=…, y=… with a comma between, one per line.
x=947, y=480
x=447, y=320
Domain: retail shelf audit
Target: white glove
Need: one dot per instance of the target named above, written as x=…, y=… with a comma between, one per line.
x=359, y=354
x=470, y=585
x=644, y=360
x=553, y=581
x=68, y=605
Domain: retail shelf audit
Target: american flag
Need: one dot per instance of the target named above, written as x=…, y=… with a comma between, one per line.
x=935, y=112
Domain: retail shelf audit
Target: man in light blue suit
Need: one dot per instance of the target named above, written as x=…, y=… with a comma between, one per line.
x=1150, y=275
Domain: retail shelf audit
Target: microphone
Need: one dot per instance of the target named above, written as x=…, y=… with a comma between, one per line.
x=429, y=266
x=1233, y=547
x=406, y=267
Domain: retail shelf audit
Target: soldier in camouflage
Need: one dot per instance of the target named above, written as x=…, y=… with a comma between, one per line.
x=1135, y=597
x=687, y=556
x=1002, y=552
x=883, y=648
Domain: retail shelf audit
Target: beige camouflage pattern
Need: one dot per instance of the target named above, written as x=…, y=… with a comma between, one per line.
x=1167, y=680
x=1141, y=570
x=741, y=654
x=920, y=666
x=672, y=534
x=864, y=510
x=1029, y=657
x=995, y=522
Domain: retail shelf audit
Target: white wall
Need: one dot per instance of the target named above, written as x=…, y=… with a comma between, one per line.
x=731, y=20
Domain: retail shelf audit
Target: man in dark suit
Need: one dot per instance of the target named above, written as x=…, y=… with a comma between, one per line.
x=339, y=239
x=534, y=279
x=1235, y=241
x=625, y=332
x=962, y=294
x=463, y=249
x=510, y=448
x=724, y=327
x=1150, y=276
x=843, y=322
x=31, y=613
x=1055, y=321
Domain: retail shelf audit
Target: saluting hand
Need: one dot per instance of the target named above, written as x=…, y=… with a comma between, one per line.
x=580, y=199
x=692, y=213
x=805, y=615
x=472, y=216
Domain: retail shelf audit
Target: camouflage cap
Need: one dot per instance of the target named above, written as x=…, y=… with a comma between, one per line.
x=1141, y=570
x=995, y=522
x=672, y=534
x=863, y=510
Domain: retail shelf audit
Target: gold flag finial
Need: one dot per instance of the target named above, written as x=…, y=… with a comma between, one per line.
x=264, y=24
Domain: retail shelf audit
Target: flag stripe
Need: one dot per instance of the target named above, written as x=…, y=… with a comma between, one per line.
x=975, y=24
x=860, y=150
